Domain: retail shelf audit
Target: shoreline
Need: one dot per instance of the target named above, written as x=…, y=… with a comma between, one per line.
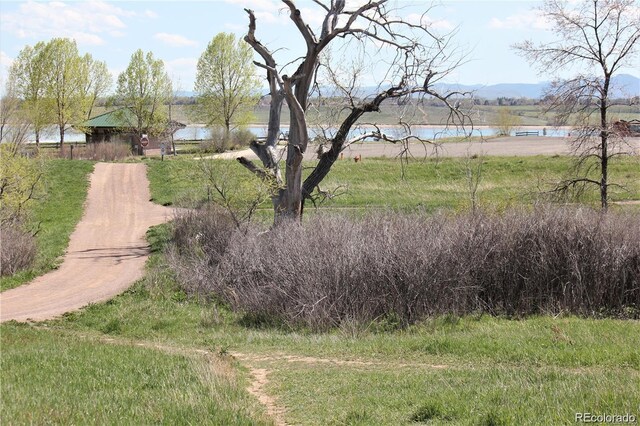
x=422, y=126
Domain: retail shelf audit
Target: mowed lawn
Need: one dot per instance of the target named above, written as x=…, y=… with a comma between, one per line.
x=156, y=355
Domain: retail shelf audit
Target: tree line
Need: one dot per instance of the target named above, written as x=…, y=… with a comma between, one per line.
x=52, y=83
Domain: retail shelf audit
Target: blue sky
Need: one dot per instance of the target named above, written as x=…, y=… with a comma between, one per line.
x=178, y=31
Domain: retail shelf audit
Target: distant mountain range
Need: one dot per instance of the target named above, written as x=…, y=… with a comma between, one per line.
x=624, y=86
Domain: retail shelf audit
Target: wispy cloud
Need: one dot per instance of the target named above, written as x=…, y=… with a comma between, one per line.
x=428, y=22
x=86, y=22
x=174, y=40
x=5, y=64
x=236, y=27
x=521, y=21
x=265, y=11
x=150, y=14
x=258, y=5
x=182, y=72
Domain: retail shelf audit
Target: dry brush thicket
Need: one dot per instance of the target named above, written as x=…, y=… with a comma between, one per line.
x=103, y=151
x=17, y=249
x=334, y=270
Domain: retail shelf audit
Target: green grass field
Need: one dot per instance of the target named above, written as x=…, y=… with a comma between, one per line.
x=155, y=355
x=55, y=215
x=483, y=115
x=428, y=184
x=53, y=377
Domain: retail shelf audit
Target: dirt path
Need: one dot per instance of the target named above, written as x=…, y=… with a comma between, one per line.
x=106, y=253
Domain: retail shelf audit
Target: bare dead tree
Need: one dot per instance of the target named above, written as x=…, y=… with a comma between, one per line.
x=417, y=59
x=599, y=37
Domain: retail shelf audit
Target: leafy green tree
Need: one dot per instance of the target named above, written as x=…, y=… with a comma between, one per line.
x=98, y=83
x=506, y=121
x=28, y=77
x=226, y=83
x=9, y=108
x=68, y=76
x=145, y=88
x=20, y=183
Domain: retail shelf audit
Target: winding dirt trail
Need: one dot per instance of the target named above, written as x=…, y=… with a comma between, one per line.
x=106, y=253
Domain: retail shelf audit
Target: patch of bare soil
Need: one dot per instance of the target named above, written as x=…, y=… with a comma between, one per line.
x=331, y=361
x=257, y=389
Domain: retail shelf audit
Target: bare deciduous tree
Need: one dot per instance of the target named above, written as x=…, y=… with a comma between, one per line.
x=599, y=37
x=416, y=59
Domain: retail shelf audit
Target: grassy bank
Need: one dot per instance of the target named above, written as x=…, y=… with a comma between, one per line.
x=55, y=215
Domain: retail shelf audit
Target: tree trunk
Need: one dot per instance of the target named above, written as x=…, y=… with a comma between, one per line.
x=61, y=141
x=604, y=147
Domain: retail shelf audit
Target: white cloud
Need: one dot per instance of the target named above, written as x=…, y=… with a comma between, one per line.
x=265, y=11
x=257, y=5
x=181, y=64
x=5, y=60
x=521, y=21
x=428, y=22
x=269, y=18
x=174, y=40
x=86, y=21
x=313, y=17
x=236, y=27
x=150, y=14
x=182, y=72
x=5, y=64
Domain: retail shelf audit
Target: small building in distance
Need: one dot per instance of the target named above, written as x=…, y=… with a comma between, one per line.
x=115, y=127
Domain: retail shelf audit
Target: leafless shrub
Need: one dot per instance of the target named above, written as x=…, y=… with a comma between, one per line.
x=106, y=151
x=220, y=141
x=17, y=249
x=241, y=138
x=407, y=267
x=200, y=239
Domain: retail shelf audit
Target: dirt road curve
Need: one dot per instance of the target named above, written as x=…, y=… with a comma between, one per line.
x=106, y=253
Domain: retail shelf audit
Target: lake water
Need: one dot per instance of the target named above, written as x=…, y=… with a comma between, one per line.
x=425, y=132
x=198, y=133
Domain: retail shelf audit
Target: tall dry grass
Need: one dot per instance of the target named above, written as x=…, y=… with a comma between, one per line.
x=17, y=249
x=334, y=270
x=103, y=151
